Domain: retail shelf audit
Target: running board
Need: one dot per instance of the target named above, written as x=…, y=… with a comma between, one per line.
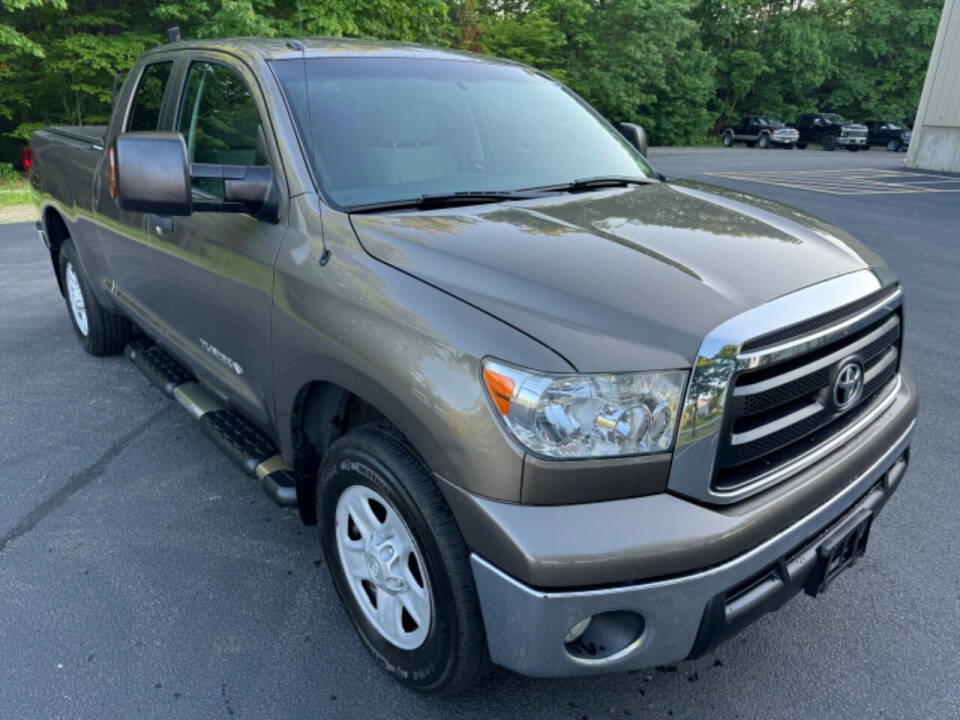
x=243, y=443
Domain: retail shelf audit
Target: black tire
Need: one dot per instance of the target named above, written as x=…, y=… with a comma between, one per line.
x=728, y=139
x=801, y=146
x=750, y=143
x=894, y=145
x=764, y=142
x=106, y=333
x=829, y=142
x=454, y=654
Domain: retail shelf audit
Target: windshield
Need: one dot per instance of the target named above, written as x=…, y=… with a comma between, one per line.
x=380, y=130
x=837, y=119
x=772, y=122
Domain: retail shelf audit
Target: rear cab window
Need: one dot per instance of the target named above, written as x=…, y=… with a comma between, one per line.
x=148, y=100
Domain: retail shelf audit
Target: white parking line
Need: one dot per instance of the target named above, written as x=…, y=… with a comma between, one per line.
x=854, y=181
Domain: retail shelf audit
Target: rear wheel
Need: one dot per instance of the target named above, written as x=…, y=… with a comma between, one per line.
x=728, y=139
x=399, y=563
x=894, y=145
x=99, y=331
x=829, y=143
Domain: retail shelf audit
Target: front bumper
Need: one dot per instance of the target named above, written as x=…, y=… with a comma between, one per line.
x=786, y=139
x=852, y=141
x=683, y=615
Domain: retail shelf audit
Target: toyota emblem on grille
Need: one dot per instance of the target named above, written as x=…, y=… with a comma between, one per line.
x=849, y=385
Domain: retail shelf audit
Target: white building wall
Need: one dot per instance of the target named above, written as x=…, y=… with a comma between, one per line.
x=935, y=144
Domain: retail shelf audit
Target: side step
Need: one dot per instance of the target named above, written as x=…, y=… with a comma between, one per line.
x=249, y=448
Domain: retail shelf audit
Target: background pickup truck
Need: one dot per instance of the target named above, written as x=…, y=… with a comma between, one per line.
x=760, y=131
x=890, y=135
x=831, y=131
x=547, y=409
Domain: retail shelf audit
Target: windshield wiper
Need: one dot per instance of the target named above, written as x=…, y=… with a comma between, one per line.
x=600, y=181
x=441, y=200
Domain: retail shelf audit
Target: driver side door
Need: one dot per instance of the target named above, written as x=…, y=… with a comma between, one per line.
x=213, y=271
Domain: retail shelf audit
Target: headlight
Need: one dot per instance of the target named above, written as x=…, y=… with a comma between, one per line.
x=581, y=416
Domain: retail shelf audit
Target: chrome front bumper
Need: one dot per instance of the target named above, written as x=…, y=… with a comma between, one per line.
x=526, y=627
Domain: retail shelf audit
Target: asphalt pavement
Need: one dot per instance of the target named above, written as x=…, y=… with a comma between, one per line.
x=143, y=576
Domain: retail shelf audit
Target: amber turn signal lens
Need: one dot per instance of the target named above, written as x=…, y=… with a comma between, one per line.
x=501, y=389
x=113, y=173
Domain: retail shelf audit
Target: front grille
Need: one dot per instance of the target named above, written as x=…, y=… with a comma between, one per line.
x=854, y=133
x=777, y=413
x=816, y=323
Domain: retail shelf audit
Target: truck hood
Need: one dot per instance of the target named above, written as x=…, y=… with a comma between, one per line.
x=621, y=279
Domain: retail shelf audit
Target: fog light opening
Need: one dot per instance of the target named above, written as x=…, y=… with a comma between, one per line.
x=574, y=633
x=604, y=636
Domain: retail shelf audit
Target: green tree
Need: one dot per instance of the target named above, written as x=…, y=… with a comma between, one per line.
x=682, y=68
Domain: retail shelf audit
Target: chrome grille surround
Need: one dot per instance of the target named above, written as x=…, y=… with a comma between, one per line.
x=720, y=359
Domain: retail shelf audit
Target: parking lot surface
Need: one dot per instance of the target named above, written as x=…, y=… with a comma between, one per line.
x=143, y=576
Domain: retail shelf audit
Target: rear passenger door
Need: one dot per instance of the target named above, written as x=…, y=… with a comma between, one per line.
x=122, y=235
x=214, y=270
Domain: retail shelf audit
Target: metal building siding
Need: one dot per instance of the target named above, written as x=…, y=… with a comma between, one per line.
x=944, y=110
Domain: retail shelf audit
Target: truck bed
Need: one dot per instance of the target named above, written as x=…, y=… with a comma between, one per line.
x=92, y=134
x=65, y=159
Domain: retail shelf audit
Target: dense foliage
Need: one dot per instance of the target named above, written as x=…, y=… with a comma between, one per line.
x=682, y=68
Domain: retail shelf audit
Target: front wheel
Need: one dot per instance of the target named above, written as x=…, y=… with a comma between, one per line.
x=728, y=139
x=893, y=145
x=399, y=563
x=829, y=143
x=764, y=142
x=99, y=331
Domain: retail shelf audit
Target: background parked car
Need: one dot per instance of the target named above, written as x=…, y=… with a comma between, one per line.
x=884, y=132
x=831, y=130
x=761, y=131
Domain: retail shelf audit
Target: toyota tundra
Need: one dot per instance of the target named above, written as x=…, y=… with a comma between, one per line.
x=549, y=409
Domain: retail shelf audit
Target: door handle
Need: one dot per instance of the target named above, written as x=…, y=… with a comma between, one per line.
x=161, y=224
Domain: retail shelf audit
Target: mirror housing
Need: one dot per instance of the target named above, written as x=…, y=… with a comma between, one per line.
x=635, y=135
x=152, y=174
x=246, y=189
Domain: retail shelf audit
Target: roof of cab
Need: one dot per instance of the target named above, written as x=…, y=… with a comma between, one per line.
x=289, y=48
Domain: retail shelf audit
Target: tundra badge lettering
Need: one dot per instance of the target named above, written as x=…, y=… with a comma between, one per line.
x=222, y=357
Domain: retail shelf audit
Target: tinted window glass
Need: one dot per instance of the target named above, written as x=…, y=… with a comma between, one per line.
x=145, y=113
x=386, y=129
x=219, y=121
x=219, y=118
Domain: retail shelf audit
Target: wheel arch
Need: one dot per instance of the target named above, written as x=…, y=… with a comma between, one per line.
x=323, y=411
x=57, y=232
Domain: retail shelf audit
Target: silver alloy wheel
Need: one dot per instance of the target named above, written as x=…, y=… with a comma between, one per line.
x=75, y=295
x=384, y=567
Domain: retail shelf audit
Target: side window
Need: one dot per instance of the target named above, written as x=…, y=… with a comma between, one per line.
x=219, y=118
x=145, y=113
